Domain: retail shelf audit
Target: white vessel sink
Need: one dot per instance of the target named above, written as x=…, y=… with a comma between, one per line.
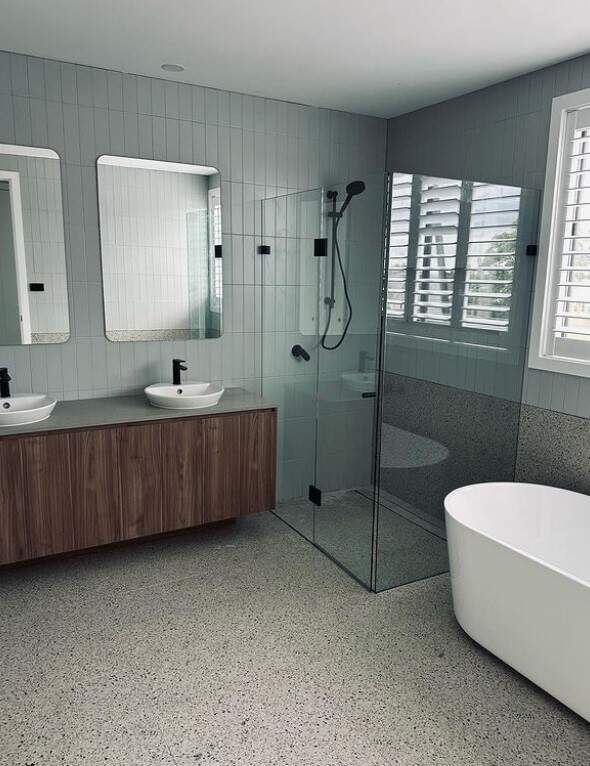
x=360, y=381
x=186, y=396
x=20, y=409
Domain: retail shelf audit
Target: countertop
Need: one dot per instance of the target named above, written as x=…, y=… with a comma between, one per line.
x=120, y=410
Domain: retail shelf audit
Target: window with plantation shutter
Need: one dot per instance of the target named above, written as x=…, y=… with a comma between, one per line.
x=560, y=338
x=453, y=256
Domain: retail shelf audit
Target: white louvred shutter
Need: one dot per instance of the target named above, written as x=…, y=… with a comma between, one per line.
x=570, y=320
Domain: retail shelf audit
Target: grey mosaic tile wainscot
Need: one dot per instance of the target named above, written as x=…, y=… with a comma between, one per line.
x=554, y=449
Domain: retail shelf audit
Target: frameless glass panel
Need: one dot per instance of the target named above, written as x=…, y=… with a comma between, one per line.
x=289, y=268
x=350, y=315
x=322, y=272
x=452, y=381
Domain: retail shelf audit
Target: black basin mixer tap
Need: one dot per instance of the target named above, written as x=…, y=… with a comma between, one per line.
x=177, y=368
x=4, y=383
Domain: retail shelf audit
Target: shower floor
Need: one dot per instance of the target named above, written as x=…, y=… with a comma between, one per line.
x=408, y=547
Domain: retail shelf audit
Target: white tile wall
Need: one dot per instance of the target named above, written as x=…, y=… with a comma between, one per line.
x=262, y=148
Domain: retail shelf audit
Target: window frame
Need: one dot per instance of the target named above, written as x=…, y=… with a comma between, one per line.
x=478, y=337
x=540, y=357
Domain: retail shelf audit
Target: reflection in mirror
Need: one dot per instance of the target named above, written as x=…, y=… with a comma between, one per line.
x=160, y=231
x=33, y=287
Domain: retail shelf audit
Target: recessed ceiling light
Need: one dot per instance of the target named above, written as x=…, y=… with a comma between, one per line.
x=172, y=67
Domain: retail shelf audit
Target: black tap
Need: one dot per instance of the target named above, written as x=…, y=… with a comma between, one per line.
x=4, y=383
x=177, y=367
x=300, y=353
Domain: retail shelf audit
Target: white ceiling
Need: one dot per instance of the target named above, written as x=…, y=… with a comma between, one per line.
x=380, y=57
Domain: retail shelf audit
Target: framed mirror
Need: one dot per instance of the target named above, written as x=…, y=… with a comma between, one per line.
x=33, y=285
x=160, y=234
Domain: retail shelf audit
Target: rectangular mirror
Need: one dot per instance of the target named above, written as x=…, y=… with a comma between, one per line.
x=33, y=287
x=160, y=233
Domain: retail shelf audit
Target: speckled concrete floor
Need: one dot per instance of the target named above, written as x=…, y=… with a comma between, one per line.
x=343, y=527
x=244, y=645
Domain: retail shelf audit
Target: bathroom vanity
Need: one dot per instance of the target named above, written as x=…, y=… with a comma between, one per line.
x=102, y=471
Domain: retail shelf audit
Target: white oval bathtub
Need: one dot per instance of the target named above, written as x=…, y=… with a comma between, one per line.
x=520, y=573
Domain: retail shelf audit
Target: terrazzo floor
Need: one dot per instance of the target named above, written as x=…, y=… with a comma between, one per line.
x=243, y=644
x=343, y=527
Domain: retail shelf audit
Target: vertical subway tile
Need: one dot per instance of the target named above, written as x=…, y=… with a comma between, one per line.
x=115, y=90
x=185, y=102
x=100, y=93
x=6, y=118
x=18, y=75
x=144, y=95
x=101, y=132
x=130, y=93
x=158, y=97
x=5, y=84
x=199, y=150
x=69, y=88
x=211, y=106
x=84, y=86
x=159, y=137
x=223, y=107
x=131, y=134
x=186, y=141
x=235, y=107
x=198, y=95
x=39, y=130
x=172, y=140
x=171, y=99
x=116, y=132
x=22, y=120
x=52, y=78
x=211, y=145
x=36, y=78
x=146, y=140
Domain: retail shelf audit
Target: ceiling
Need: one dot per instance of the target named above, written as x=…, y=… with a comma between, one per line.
x=379, y=57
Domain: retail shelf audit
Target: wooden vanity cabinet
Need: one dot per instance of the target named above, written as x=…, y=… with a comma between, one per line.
x=69, y=490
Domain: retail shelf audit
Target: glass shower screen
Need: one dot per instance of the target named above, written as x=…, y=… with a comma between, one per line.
x=319, y=279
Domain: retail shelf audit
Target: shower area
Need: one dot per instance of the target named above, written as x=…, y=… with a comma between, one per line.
x=394, y=313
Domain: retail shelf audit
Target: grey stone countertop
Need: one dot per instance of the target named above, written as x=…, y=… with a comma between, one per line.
x=90, y=413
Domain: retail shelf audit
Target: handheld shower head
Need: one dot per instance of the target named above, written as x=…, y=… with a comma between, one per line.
x=353, y=188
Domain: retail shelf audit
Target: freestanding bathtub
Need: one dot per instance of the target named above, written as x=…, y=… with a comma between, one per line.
x=520, y=573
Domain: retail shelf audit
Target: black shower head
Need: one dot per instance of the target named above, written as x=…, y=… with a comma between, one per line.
x=353, y=188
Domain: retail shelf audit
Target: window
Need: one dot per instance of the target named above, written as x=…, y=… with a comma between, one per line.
x=560, y=336
x=453, y=254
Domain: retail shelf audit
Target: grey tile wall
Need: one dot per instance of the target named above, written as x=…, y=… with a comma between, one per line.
x=476, y=434
x=553, y=449
x=262, y=148
x=498, y=134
